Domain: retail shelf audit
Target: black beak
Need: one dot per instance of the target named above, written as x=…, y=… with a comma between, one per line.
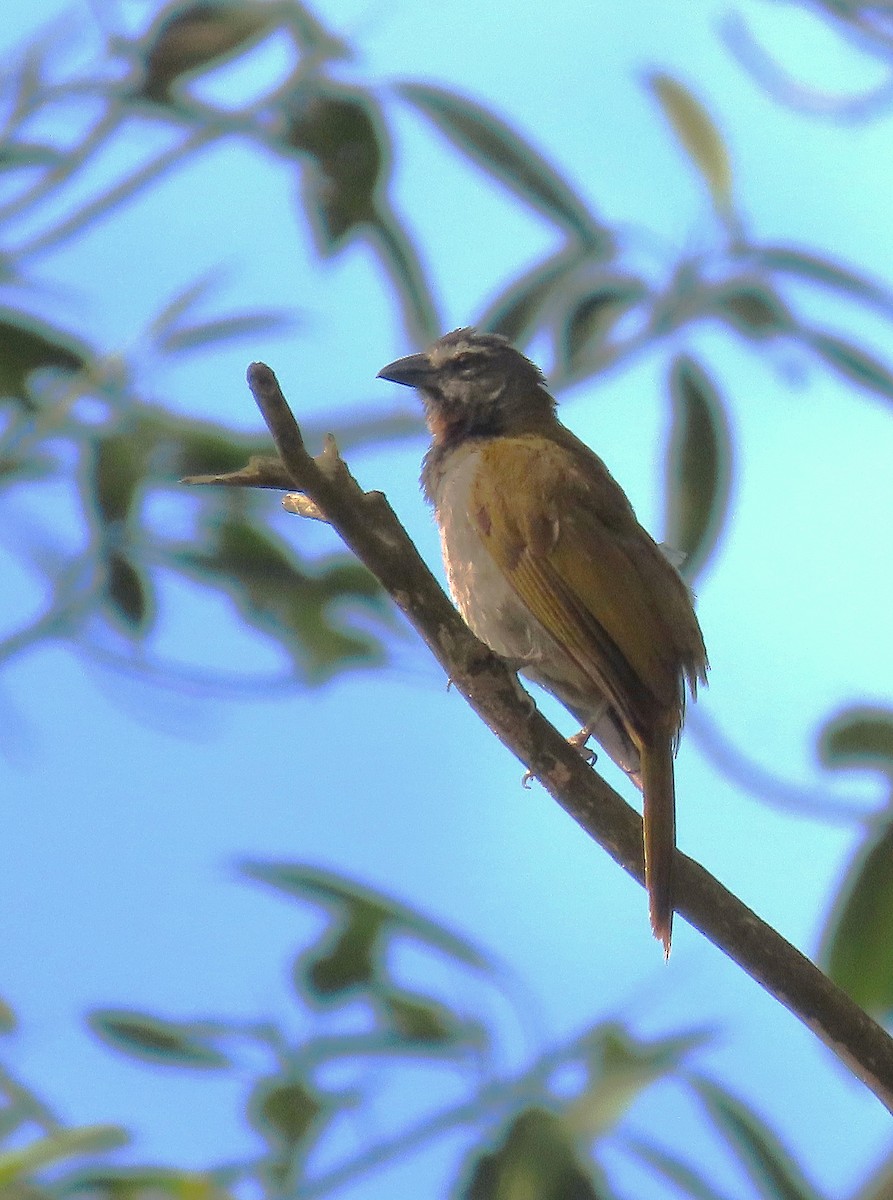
x=414, y=371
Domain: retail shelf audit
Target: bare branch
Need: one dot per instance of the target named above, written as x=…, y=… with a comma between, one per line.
x=370, y=528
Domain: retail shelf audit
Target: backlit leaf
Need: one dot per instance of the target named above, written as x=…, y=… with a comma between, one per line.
x=772, y=1168
x=519, y=310
x=685, y=1179
x=506, y=155
x=852, y=362
x=285, y=1110
x=65, y=1143
x=699, y=136
x=861, y=736
x=592, y=317
x=404, y=265
x=699, y=466
x=346, y=960
x=28, y=344
x=301, y=605
x=338, y=895
x=535, y=1160
x=187, y=38
x=855, y=946
x=128, y=593
x=752, y=309
x=172, y=1043
x=813, y=268
x=341, y=134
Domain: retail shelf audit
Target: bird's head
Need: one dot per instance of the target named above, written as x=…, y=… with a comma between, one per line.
x=474, y=385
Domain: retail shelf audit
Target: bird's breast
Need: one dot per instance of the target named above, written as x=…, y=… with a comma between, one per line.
x=480, y=590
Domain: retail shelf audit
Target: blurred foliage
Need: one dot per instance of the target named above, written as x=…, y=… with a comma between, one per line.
x=75, y=414
x=538, y=1132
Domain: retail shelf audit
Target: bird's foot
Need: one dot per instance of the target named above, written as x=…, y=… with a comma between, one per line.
x=578, y=741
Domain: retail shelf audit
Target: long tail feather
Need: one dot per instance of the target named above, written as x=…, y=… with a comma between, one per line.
x=660, y=835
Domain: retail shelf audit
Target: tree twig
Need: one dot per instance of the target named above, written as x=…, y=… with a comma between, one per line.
x=371, y=529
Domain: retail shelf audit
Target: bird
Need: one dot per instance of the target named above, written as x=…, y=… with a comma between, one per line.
x=549, y=566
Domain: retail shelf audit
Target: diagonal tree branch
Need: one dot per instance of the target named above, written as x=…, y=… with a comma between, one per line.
x=369, y=526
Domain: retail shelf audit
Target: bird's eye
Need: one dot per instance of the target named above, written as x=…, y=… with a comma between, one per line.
x=465, y=361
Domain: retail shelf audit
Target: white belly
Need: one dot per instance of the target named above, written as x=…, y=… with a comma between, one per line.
x=497, y=616
x=480, y=590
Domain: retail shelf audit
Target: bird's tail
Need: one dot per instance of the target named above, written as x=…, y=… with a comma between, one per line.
x=660, y=834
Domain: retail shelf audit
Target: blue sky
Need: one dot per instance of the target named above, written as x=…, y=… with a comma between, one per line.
x=125, y=810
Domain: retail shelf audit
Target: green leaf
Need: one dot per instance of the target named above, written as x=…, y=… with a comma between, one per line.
x=698, y=135
x=285, y=1110
x=852, y=362
x=299, y=605
x=772, y=1169
x=171, y=1043
x=534, y=1160
x=23, y=1161
x=8, y=1020
x=698, y=466
x=522, y=308
x=752, y=309
x=345, y=961
x=132, y=1183
x=341, y=134
x=128, y=594
x=878, y=1185
x=855, y=944
x=861, y=736
x=591, y=318
x=404, y=266
x=188, y=38
x=28, y=344
x=28, y=154
x=508, y=157
x=225, y=329
x=812, y=267
x=206, y=448
x=421, y=1021
x=685, y=1179
x=339, y=894
x=119, y=469
x=619, y=1068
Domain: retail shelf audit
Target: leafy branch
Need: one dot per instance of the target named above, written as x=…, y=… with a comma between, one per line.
x=370, y=528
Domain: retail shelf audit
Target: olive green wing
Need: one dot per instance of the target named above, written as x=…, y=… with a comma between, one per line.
x=567, y=540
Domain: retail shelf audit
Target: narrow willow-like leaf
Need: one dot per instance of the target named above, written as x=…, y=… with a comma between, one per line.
x=698, y=466
x=591, y=318
x=28, y=344
x=21, y=1162
x=310, y=883
x=172, y=1043
x=686, y=1180
x=789, y=260
x=522, y=307
x=852, y=362
x=506, y=155
x=773, y=1170
x=202, y=334
x=752, y=308
x=699, y=136
x=404, y=265
x=129, y=594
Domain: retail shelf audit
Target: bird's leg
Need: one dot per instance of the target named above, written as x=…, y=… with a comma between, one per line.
x=578, y=741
